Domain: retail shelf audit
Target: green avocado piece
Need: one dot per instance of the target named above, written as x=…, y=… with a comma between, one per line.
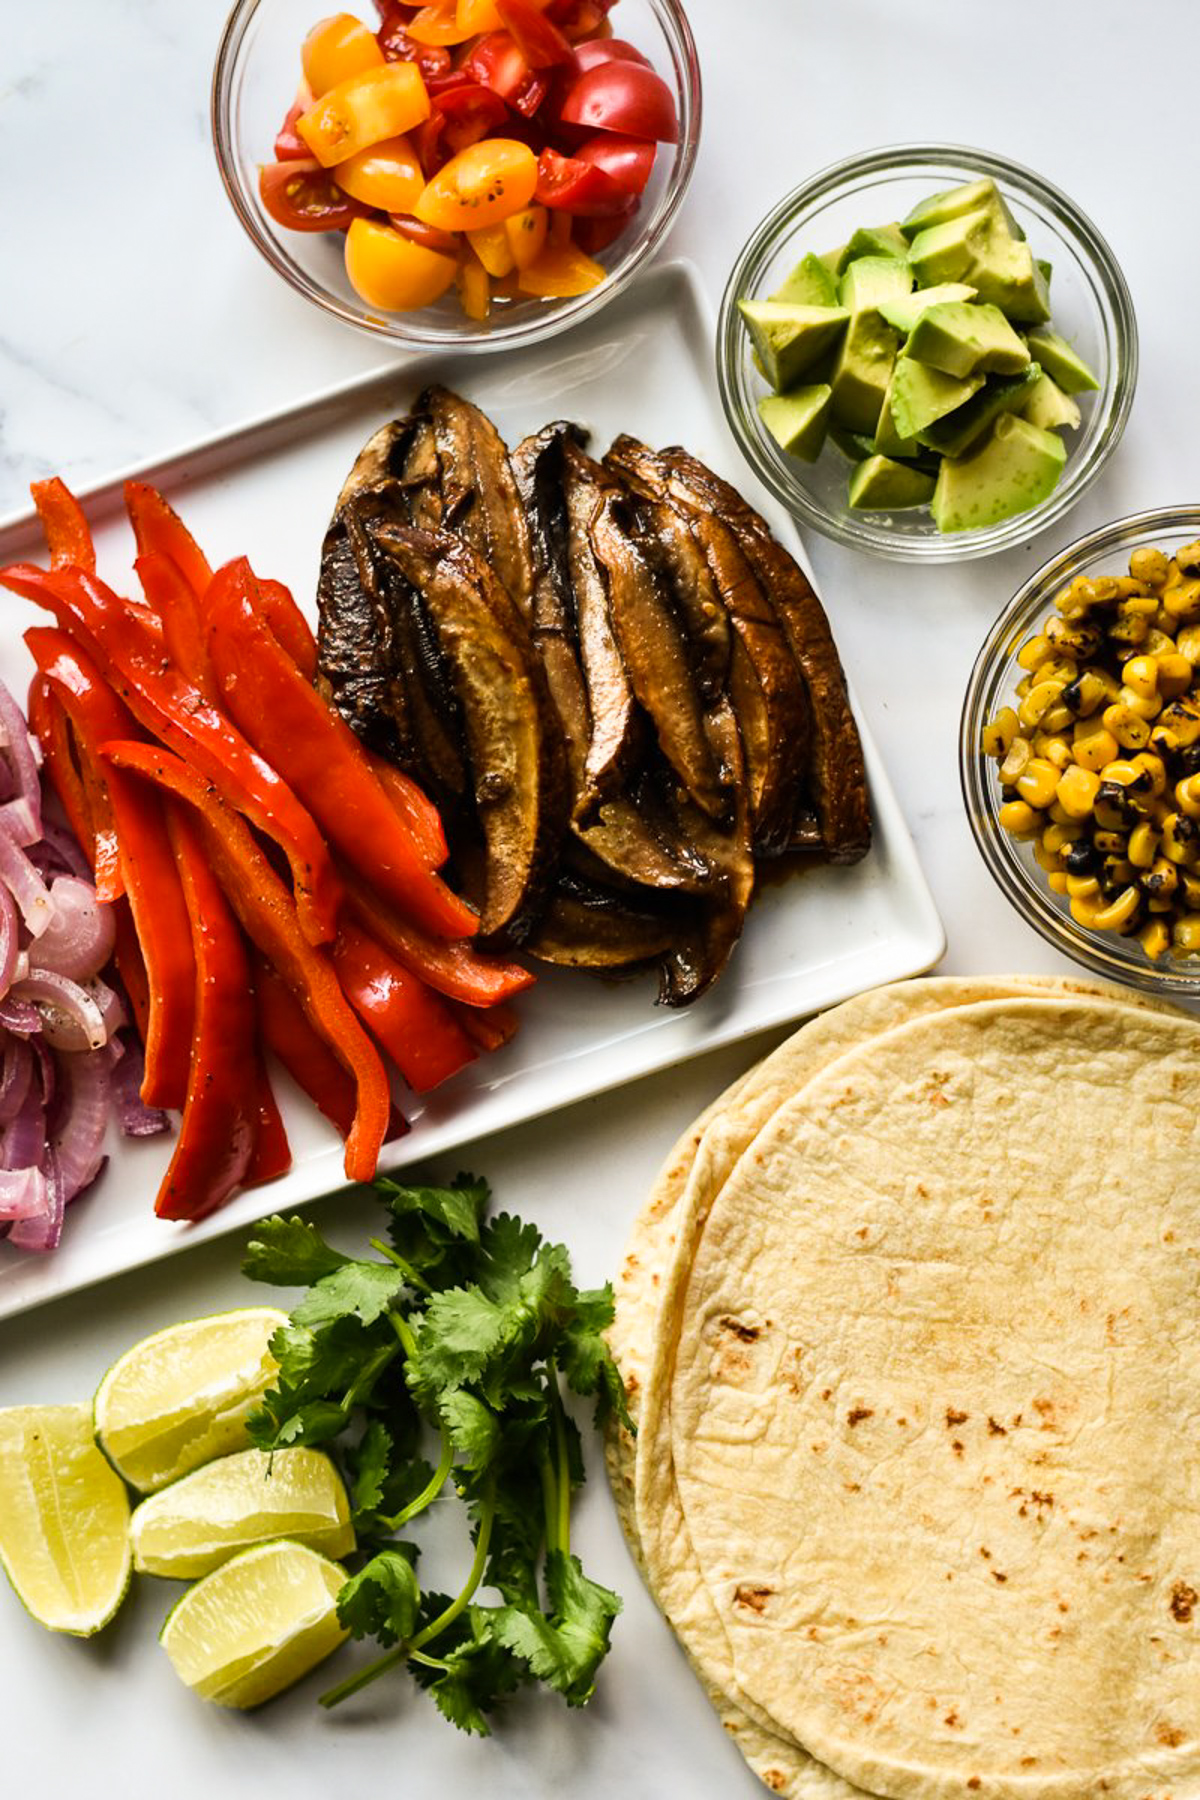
x=810, y=283
x=1047, y=269
x=880, y=485
x=873, y=281
x=888, y=441
x=1062, y=363
x=851, y=443
x=905, y=312
x=1010, y=470
x=832, y=259
x=953, y=202
x=919, y=395
x=789, y=338
x=958, y=430
x=960, y=337
x=861, y=373
x=798, y=419
x=873, y=240
x=1046, y=405
x=1005, y=274
x=948, y=251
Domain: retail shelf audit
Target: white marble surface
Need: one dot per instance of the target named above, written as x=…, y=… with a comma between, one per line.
x=134, y=316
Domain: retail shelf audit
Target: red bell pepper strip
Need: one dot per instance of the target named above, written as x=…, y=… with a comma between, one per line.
x=50, y=727
x=217, y=1133
x=158, y=528
x=68, y=538
x=415, y=1027
x=452, y=966
x=418, y=812
x=77, y=776
x=128, y=645
x=270, y=918
x=131, y=967
x=148, y=865
x=489, y=1029
x=290, y=627
x=316, y=752
x=272, y=1152
x=306, y=1057
x=172, y=598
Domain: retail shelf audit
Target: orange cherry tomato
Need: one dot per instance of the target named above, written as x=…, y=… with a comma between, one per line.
x=364, y=110
x=526, y=234
x=483, y=15
x=392, y=272
x=490, y=244
x=438, y=24
x=387, y=175
x=482, y=185
x=337, y=48
x=559, y=273
x=474, y=287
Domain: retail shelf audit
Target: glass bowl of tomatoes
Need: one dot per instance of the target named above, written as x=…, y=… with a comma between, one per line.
x=474, y=173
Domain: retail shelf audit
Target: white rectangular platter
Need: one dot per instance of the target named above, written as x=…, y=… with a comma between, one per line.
x=265, y=490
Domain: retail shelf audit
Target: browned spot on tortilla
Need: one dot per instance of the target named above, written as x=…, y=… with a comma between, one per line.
x=997, y=1576
x=826, y=1393
x=922, y=1191
x=995, y=1429
x=1063, y=1607
x=862, y=1231
x=957, y=1446
x=952, y=1720
x=654, y=1281
x=1168, y=1237
x=752, y=1596
x=985, y=1552
x=775, y=1779
x=939, y=1100
x=857, y=1414
x=852, y=1487
x=953, y=1417
x=1170, y=1735
x=1183, y=1602
x=974, y=1782
x=1028, y=1762
x=1044, y=1500
x=746, y=1334
x=631, y=1384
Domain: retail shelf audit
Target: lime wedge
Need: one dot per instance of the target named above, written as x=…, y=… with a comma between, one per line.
x=64, y=1518
x=182, y=1397
x=256, y=1624
x=198, y=1523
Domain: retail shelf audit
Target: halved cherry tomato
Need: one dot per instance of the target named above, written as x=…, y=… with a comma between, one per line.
x=438, y=24
x=443, y=243
x=581, y=19
x=628, y=160
x=392, y=272
x=560, y=272
x=624, y=97
x=335, y=49
x=566, y=184
x=470, y=112
x=540, y=42
x=474, y=287
x=480, y=186
x=364, y=110
x=302, y=196
x=490, y=244
x=386, y=175
x=497, y=63
x=397, y=46
x=526, y=233
x=602, y=50
x=595, y=235
x=479, y=16
x=288, y=144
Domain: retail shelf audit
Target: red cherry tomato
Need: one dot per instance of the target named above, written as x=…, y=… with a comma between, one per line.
x=628, y=160
x=624, y=97
x=289, y=145
x=302, y=196
x=594, y=236
x=578, y=19
x=602, y=50
x=497, y=63
x=538, y=39
x=568, y=185
x=470, y=112
x=443, y=243
x=432, y=59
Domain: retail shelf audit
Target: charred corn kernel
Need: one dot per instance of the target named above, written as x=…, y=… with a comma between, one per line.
x=1094, y=744
x=997, y=738
x=1187, y=643
x=1035, y=651
x=1085, y=693
x=1143, y=845
x=1155, y=769
x=1018, y=818
x=1082, y=887
x=1130, y=629
x=1149, y=565
x=1058, y=668
x=1187, y=796
x=1160, y=880
x=1174, y=674
x=1116, y=871
x=1119, y=911
x=1110, y=813
x=1141, y=674
x=1189, y=557
x=1057, y=837
x=1146, y=706
x=1162, y=741
x=1076, y=791
x=1154, y=938
x=1158, y=642
x=1038, y=783
x=1111, y=842
x=1049, y=860
x=1084, y=911
x=1181, y=600
x=1124, y=774
x=1190, y=885
x=1074, y=640
x=1016, y=760
x=1182, y=719
x=1130, y=730
x=1038, y=700
x=1057, y=882
x=1185, y=934
x=1180, y=839
x=1077, y=597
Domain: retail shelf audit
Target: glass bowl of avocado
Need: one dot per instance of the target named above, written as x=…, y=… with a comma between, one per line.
x=927, y=352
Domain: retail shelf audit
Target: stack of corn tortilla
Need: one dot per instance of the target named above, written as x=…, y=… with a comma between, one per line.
x=910, y=1326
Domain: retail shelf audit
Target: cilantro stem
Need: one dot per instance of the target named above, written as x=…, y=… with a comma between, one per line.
x=364, y=1677
x=403, y=1330
x=486, y=1515
x=563, y=1529
x=549, y=1499
x=406, y=1268
x=366, y=1376
x=430, y=1491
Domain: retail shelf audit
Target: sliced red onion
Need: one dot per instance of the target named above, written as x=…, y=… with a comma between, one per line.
x=79, y=939
x=23, y=1194
x=21, y=817
x=137, y=1119
x=73, y=1017
x=15, y=1078
x=18, y=874
x=58, y=853
x=20, y=1016
x=24, y=1142
x=77, y=1138
x=44, y=1231
x=9, y=946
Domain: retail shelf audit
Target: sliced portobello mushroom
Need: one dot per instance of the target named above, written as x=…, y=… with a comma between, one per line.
x=403, y=452
x=514, y=742
x=479, y=492
x=355, y=649
x=588, y=926
x=697, y=956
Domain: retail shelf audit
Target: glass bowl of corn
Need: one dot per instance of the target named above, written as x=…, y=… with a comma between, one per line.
x=1079, y=750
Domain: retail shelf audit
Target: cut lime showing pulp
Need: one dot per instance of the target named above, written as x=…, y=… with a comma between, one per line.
x=256, y=1624
x=182, y=1397
x=64, y=1518
x=198, y=1523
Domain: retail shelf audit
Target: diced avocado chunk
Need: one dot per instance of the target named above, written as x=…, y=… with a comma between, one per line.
x=810, y=283
x=833, y=259
x=853, y=444
x=958, y=430
x=872, y=281
x=1046, y=405
x=919, y=395
x=1062, y=363
x=960, y=338
x=873, y=240
x=788, y=338
x=797, y=420
x=905, y=312
x=888, y=441
x=953, y=202
x=1015, y=467
x=1005, y=274
x=880, y=485
x=1046, y=269
x=947, y=252
x=862, y=371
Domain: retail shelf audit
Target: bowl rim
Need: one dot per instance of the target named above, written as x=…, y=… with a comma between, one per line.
x=1105, y=953
x=1094, y=249
x=404, y=329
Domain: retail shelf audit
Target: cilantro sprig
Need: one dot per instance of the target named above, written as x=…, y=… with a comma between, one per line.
x=436, y=1368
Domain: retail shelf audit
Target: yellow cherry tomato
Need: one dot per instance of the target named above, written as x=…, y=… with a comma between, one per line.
x=482, y=185
x=559, y=273
x=438, y=24
x=387, y=175
x=526, y=234
x=483, y=15
x=474, y=287
x=392, y=272
x=364, y=110
x=337, y=48
x=493, y=249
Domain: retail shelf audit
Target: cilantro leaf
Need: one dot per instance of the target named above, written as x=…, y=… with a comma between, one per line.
x=477, y=1673
x=585, y=1358
x=364, y=1289
x=565, y=1647
x=474, y=1429
x=321, y=1375
x=383, y=1600
x=289, y=1253
x=370, y=1465
x=436, y=1229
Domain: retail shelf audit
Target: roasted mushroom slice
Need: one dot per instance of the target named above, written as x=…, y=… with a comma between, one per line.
x=355, y=650
x=403, y=453
x=514, y=742
x=478, y=490
x=588, y=926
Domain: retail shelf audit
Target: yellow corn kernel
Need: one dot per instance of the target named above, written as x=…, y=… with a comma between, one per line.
x=1015, y=761
x=1160, y=906
x=1154, y=938
x=1035, y=651
x=1188, y=558
x=1160, y=880
x=1038, y=700
x=1109, y=816
x=1023, y=686
x=1185, y=934
x=1174, y=674
x=1058, y=717
x=1082, y=887
x=1057, y=837
x=1084, y=912
x=1179, y=845
x=1057, y=814
x=1158, y=642
x=1155, y=768
x=1124, y=774
x=1053, y=747
x=1129, y=629
x=1086, y=693
x=1146, y=706
x=1049, y=860
x=1063, y=664
x=1118, y=912
x=1039, y=782
x=1076, y=791
x=1143, y=845
x=1187, y=796
x=1077, y=597
x=1182, y=719
x=1111, y=842
x=1149, y=566
x=1019, y=819
x=1117, y=870
x=1190, y=884
x=1094, y=744
x=1057, y=882
x=1187, y=643
x=1181, y=600
x=998, y=736
x=1141, y=674
x=1131, y=731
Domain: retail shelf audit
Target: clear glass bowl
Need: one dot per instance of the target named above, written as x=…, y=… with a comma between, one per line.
x=1090, y=306
x=254, y=80
x=992, y=684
